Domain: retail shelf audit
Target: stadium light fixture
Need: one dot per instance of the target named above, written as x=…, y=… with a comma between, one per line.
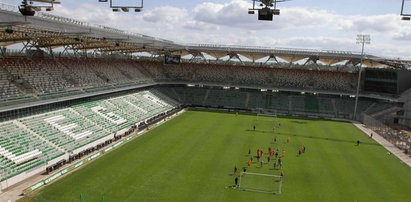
x=362, y=39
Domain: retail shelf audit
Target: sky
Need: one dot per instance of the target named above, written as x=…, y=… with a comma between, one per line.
x=310, y=24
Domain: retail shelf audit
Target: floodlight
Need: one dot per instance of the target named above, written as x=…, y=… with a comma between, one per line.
x=363, y=38
x=49, y=9
x=116, y=10
x=124, y=9
x=102, y=0
x=406, y=18
x=138, y=10
x=27, y=11
x=251, y=12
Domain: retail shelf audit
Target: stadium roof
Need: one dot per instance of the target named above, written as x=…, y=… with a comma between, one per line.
x=50, y=31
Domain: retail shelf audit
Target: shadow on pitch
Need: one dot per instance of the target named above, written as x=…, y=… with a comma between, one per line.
x=299, y=122
x=312, y=137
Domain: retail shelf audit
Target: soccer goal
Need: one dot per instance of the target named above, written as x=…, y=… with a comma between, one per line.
x=257, y=182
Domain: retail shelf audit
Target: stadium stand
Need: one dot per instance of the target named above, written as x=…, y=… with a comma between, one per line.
x=30, y=142
x=21, y=151
x=8, y=90
x=44, y=78
x=302, y=79
x=101, y=73
x=64, y=128
x=44, y=75
x=282, y=102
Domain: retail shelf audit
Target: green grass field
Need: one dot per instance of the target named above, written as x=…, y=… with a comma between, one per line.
x=191, y=158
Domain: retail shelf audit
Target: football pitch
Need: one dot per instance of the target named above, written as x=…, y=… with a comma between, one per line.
x=191, y=158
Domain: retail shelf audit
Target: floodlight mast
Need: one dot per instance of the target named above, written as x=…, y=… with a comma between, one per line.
x=361, y=39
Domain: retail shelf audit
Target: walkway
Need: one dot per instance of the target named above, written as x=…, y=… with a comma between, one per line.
x=390, y=147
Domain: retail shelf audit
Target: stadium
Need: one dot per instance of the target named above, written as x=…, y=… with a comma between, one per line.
x=93, y=113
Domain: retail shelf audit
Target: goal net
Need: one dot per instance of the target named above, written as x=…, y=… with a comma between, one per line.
x=258, y=182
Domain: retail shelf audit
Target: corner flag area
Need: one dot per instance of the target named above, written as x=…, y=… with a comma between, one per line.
x=192, y=157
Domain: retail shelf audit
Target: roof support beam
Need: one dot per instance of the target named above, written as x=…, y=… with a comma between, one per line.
x=271, y=58
x=198, y=56
x=234, y=56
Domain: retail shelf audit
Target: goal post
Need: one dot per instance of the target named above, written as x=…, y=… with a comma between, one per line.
x=259, y=182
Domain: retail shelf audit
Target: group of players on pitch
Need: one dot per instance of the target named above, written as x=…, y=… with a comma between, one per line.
x=273, y=155
x=270, y=156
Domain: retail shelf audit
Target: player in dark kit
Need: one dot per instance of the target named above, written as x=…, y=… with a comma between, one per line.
x=280, y=163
